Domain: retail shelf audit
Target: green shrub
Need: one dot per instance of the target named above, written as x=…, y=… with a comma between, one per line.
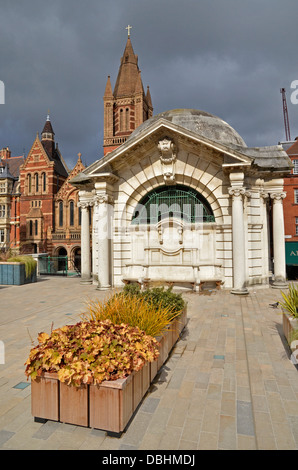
x=158, y=296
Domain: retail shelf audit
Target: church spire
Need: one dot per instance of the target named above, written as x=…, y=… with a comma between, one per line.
x=108, y=90
x=128, y=72
x=127, y=106
x=48, y=137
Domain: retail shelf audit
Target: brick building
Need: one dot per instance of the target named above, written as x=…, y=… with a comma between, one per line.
x=128, y=105
x=64, y=237
x=9, y=199
x=291, y=210
x=41, y=176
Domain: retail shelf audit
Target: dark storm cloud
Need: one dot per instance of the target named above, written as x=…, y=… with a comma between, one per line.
x=227, y=57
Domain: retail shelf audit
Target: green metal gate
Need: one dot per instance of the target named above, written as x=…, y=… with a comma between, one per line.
x=53, y=265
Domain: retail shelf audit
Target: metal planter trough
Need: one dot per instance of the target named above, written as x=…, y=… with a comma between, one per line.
x=14, y=273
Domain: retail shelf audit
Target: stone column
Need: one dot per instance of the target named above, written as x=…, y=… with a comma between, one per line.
x=85, y=244
x=279, y=240
x=103, y=203
x=238, y=244
x=265, y=236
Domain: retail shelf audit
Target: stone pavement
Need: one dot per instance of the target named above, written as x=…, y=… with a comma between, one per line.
x=229, y=383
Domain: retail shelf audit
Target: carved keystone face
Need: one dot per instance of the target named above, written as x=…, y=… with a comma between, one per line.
x=165, y=145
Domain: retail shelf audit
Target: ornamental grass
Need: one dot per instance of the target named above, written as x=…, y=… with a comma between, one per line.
x=28, y=261
x=151, y=317
x=290, y=301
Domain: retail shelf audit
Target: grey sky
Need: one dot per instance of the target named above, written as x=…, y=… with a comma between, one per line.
x=226, y=57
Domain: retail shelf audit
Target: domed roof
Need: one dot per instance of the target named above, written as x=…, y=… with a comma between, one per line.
x=199, y=122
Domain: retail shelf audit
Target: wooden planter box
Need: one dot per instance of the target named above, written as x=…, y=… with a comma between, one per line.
x=108, y=406
x=13, y=273
x=289, y=324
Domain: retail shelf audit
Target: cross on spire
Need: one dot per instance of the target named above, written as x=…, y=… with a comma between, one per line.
x=128, y=29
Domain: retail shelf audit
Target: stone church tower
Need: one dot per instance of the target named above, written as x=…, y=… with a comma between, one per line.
x=128, y=105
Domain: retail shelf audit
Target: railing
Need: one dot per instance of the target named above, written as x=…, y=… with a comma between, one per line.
x=115, y=141
x=66, y=235
x=53, y=265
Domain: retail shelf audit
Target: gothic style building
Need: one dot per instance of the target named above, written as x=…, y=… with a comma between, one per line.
x=49, y=215
x=41, y=177
x=180, y=200
x=9, y=199
x=127, y=106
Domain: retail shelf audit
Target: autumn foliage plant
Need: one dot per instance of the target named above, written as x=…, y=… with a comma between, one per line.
x=91, y=352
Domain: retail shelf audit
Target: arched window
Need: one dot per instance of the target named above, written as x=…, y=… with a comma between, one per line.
x=127, y=119
x=71, y=213
x=29, y=183
x=36, y=182
x=44, y=182
x=175, y=201
x=121, y=120
x=60, y=214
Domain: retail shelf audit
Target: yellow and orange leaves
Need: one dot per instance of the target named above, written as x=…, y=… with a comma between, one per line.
x=91, y=351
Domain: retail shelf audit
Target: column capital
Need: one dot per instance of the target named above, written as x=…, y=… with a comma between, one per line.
x=85, y=204
x=103, y=198
x=278, y=196
x=236, y=192
x=264, y=194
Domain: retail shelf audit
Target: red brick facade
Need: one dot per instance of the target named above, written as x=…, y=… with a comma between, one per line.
x=41, y=177
x=65, y=236
x=127, y=106
x=290, y=201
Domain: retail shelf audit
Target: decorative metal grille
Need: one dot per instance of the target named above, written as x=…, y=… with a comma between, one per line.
x=175, y=201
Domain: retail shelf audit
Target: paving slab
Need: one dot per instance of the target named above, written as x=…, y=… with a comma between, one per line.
x=229, y=383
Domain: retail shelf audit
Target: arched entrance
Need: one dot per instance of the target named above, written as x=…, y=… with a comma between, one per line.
x=62, y=259
x=173, y=237
x=77, y=259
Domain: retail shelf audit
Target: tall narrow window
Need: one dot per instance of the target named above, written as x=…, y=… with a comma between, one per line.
x=36, y=227
x=29, y=183
x=71, y=213
x=61, y=214
x=36, y=182
x=121, y=120
x=127, y=119
x=30, y=228
x=80, y=216
x=44, y=182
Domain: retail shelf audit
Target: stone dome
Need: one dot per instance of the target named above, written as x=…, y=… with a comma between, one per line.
x=199, y=122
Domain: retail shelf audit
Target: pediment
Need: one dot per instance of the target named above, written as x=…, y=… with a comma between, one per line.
x=36, y=150
x=143, y=142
